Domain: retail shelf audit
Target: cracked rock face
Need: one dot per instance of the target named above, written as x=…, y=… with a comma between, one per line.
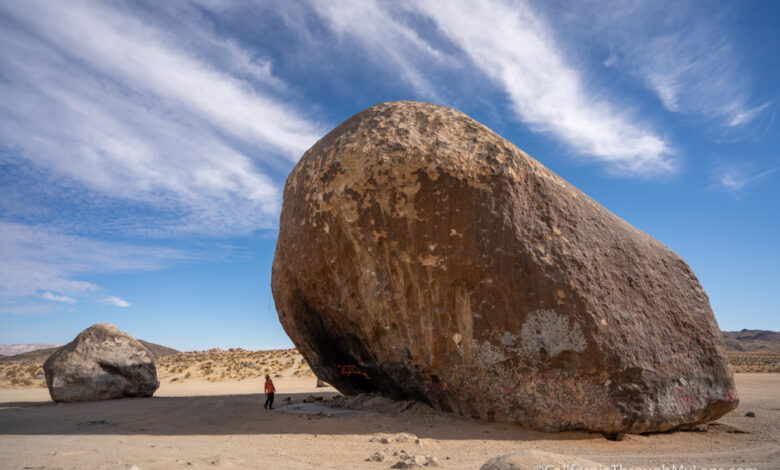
x=422, y=256
x=101, y=363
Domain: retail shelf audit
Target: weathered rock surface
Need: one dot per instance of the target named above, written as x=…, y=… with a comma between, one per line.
x=423, y=256
x=101, y=363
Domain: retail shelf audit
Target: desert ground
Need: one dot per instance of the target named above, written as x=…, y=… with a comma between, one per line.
x=208, y=413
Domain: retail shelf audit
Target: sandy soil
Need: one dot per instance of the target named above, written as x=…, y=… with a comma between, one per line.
x=202, y=424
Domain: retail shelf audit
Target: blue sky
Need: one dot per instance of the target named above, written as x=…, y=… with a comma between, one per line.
x=144, y=145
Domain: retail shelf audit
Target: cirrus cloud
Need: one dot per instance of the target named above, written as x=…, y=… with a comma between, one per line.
x=511, y=45
x=116, y=302
x=58, y=298
x=132, y=112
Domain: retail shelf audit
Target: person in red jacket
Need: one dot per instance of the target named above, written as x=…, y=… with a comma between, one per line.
x=269, y=393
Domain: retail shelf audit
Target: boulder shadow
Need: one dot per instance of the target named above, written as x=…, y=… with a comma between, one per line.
x=243, y=414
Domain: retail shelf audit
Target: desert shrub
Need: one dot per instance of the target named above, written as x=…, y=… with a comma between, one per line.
x=21, y=381
x=760, y=361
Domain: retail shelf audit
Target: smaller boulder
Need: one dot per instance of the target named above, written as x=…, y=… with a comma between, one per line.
x=101, y=363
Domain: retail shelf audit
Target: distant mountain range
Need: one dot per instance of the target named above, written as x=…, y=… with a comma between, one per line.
x=752, y=340
x=159, y=351
x=14, y=349
x=41, y=352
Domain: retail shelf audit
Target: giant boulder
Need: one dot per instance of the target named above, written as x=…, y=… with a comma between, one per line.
x=422, y=256
x=101, y=363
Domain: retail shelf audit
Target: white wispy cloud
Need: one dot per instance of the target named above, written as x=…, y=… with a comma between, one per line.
x=383, y=34
x=37, y=259
x=58, y=298
x=116, y=122
x=514, y=46
x=745, y=116
x=684, y=52
x=27, y=309
x=125, y=109
x=116, y=302
x=434, y=49
x=735, y=178
x=145, y=61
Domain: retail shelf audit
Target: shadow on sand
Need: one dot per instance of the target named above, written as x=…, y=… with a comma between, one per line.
x=242, y=415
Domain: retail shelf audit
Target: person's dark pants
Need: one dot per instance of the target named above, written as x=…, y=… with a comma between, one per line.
x=269, y=401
